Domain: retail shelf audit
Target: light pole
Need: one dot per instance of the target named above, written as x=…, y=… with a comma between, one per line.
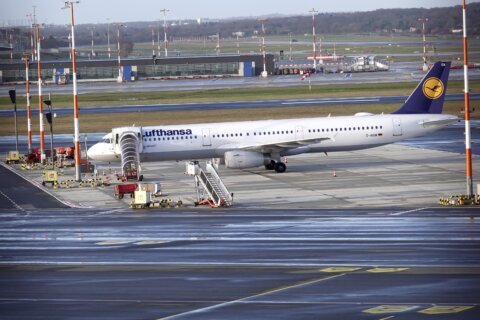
x=27, y=89
x=76, y=139
x=165, y=30
x=238, y=45
x=13, y=98
x=425, y=65
x=40, y=104
x=92, y=54
x=120, y=76
x=290, y=34
x=158, y=41
x=11, y=45
x=264, y=59
x=314, y=40
x=217, y=47
x=466, y=92
x=108, y=38
x=153, y=41
x=50, y=115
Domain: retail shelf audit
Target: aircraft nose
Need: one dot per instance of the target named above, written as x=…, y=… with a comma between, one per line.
x=93, y=152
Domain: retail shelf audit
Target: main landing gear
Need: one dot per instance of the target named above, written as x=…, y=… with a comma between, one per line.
x=277, y=166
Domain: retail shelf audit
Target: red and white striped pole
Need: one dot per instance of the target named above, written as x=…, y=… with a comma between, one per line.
x=468, y=150
x=153, y=42
x=314, y=39
x=120, y=76
x=264, y=59
x=11, y=45
x=76, y=138
x=27, y=89
x=165, y=30
x=40, y=102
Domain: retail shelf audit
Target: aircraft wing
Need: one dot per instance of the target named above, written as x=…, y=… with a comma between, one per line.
x=282, y=145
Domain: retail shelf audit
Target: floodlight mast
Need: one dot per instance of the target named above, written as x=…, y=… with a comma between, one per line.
x=108, y=38
x=153, y=41
x=11, y=45
x=120, y=75
x=40, y=102
x=468, y=150
x=165, y=30
x=217, y=47
x=314, y=39
x=32, y=49
x=425, y=65
x=76, y=138
x=27, y=89
x=92, y=54
x=264, y=60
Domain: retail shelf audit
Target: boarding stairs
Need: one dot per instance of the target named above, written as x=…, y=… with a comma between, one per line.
x=129, y=146
x=210, y=188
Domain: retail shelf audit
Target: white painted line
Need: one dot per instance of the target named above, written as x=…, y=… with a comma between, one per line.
x=332, y=101
x=39, y=186
x=408, y=211
x=301, y=284
x=13, y=202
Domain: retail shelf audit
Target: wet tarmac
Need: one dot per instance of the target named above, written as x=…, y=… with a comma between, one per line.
x=371, y=243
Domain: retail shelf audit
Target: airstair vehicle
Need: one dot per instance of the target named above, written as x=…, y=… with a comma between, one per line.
x=128, y=143
x=210, y=188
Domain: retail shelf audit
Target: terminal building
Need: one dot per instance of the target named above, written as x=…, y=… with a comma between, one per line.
x=131, y=69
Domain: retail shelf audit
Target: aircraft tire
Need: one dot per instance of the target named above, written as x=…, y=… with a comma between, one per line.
x=280, y=167
x=270, y=166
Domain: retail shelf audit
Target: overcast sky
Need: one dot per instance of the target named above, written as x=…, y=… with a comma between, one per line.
x=13, y=12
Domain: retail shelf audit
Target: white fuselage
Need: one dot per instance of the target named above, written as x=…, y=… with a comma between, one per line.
x=212, y=140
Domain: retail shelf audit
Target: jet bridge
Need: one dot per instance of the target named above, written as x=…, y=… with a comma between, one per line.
x=209, y=187
x=128, y=144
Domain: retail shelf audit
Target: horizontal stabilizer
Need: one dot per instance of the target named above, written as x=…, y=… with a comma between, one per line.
x=430, y=123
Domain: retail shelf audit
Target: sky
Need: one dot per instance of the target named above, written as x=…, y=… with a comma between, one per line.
x=14, y=12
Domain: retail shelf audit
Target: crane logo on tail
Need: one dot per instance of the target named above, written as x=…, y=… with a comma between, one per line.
x=433, y=88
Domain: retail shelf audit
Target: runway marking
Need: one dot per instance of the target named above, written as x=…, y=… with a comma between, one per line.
x=111, y=242
x=340, y=269
x=408, y=211
x=332, y=101
x=13, y=202
x=445, y=309
x=148, y=242
x=297, y=285
x=385, y=270
x=389, y=309
x=386, y=318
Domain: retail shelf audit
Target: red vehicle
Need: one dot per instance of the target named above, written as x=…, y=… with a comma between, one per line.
x=125, y=188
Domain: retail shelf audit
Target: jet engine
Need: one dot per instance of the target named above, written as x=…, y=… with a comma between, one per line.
x=244, y=159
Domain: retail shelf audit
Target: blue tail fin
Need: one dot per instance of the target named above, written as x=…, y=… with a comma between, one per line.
x=428, y=96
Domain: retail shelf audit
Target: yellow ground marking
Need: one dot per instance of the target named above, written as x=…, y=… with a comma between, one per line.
x=389, y=309
x=147, y=242
x=340, y=269
x=445, y=309
x=384, y=270
x=110, y=242
x=386, y=318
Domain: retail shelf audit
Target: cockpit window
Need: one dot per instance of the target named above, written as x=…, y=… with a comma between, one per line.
x=108, y=140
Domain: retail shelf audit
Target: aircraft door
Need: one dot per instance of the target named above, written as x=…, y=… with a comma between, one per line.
x=206, y=139
x=397, y=127
x=298, y=133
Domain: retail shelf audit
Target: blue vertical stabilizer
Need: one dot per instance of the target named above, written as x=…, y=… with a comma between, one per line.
x=429, y=95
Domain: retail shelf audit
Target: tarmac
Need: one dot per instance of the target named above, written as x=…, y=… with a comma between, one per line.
x=371, y=242
x=394, y=175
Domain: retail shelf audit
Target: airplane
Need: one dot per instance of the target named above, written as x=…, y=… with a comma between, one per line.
x=249, y=144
